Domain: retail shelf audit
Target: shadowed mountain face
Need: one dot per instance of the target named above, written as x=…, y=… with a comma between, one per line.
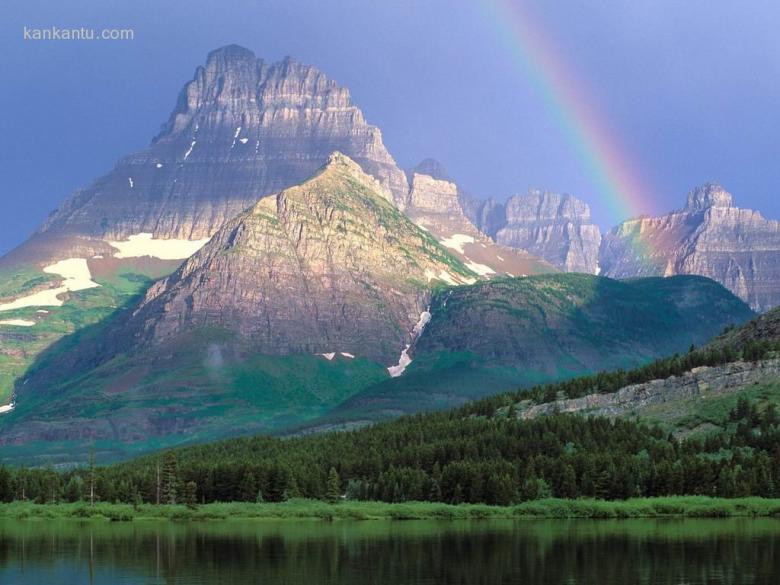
x=709, y=236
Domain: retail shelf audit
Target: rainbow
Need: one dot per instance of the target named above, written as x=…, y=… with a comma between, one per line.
x=606, y=161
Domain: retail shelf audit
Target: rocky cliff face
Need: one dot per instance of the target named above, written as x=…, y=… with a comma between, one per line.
x=241, y=129
x=436, y=204
x=327, y=266
x=710, y=237
x=554, y=227
x=655, y=396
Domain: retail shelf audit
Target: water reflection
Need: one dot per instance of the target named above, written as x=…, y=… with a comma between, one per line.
x=736, y=551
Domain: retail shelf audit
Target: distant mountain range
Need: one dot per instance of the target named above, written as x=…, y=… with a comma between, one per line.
x=265, y=264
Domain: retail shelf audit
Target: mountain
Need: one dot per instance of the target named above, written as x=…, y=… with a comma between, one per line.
x=508, y=333
x=709, y=236
x=297, y=303
x=557, y=228
x=435, y=204
x=327, y=266
x=241, y=129
x=325, y=304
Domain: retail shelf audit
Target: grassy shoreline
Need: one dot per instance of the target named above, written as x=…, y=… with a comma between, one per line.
x=663, y=507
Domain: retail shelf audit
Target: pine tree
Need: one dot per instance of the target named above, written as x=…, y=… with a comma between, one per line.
x=568, y=488
x=190, y=494
x=293, y=491
x=276, y=485
x=74, y=490
x=247, y=489
x=6, y=489
x=170, y=478
x=91, y=478
x=333, y=486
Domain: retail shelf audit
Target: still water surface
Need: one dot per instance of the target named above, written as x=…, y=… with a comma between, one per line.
x=603, y=552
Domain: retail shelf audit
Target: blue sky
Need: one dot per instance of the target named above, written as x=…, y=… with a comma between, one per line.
x=690, y=88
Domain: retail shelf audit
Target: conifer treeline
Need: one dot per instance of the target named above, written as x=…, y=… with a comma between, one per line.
x=478, y=453
x=449, y=457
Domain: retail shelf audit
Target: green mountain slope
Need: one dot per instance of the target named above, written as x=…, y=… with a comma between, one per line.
x=118, y=283
x=492, y=336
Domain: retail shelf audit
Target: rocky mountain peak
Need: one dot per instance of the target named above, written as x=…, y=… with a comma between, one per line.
x=325, y=266
x=710, y=237
x=706, y=196
x=432, y=168
x=241, y=129
x=226, y=57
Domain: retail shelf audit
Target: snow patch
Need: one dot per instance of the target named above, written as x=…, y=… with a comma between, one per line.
x=144, y=244
x=76, y=273
x=404, y=360
x=18, y=322
x=457, y=242
x=425, y=318
x=158, y=165
x=243, y=140
x=75, y=276
x=189, y=150
x=480, y=269
x=235, y=136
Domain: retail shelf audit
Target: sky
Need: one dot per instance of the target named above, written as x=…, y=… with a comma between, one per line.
x=684, y=92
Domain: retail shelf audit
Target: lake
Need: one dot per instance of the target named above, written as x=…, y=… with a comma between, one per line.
x=599, y=552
